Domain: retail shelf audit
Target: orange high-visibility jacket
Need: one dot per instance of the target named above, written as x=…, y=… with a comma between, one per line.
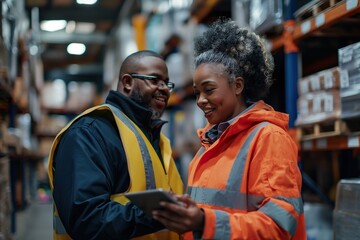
x=248, y=182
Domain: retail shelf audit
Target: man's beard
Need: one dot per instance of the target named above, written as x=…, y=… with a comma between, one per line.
x=137, y=97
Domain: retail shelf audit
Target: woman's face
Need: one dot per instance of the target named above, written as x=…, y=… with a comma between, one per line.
x=219, y=100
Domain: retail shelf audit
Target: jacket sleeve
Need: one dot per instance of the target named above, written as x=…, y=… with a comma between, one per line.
x=90, y=166
x=273, y=176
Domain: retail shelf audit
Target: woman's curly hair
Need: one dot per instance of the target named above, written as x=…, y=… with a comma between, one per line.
x=243, y=54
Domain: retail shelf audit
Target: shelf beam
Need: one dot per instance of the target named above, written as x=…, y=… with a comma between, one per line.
x=322, y=20
x=331, y=143
x=325, y=19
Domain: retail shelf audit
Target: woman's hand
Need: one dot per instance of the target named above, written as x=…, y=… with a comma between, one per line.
x=180, y=218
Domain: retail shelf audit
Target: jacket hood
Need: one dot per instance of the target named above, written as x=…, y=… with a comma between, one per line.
x=257, y=113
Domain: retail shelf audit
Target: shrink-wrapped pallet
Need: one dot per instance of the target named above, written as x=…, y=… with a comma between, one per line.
x=346, y=218
x=349, y=63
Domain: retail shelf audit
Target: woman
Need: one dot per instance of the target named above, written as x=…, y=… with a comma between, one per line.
x=244, y=182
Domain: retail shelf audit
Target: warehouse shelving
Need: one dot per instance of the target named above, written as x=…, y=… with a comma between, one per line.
x=295, y=33
x=332, y=143
x=309, y=45
x=322, y=20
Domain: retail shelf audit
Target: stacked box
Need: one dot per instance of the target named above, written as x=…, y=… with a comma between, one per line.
x=324, y=80
x=347, y=210
x=5, y=207
x=319, y=97
x=349, y=63
x=318, y=106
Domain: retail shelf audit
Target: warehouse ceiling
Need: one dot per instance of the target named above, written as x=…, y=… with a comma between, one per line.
x=104, y=14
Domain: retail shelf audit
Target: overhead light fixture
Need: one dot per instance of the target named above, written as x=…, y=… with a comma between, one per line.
x=52, y=25
x=87, y=2
x=76, y=48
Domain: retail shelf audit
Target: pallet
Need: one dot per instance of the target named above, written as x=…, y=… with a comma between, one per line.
x=329, y=129
x=313, y=8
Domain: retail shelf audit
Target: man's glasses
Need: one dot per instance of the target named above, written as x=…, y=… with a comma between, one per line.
x=154, y=80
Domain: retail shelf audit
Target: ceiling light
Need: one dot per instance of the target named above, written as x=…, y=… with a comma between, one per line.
x=76, y=48
x=87, y=2
x=52, y=25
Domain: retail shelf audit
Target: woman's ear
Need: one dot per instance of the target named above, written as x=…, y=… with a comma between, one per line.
x=239, y=85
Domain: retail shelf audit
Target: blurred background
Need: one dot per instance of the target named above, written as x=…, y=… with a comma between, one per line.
x=59, y=57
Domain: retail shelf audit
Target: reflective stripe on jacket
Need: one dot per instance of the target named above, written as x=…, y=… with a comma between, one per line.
x=248, y=183
x=144, y=166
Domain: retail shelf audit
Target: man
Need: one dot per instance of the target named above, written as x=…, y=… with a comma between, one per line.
x=112, y=149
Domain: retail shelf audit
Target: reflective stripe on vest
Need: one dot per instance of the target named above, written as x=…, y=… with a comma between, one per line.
x=149, y=171
x=232, y=198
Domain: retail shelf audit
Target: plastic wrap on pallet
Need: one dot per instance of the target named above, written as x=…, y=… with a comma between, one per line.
x=346, y=225
x=265, y=15
x=240, y=11
x=349, y=63
x=350, y=106
x=348, y=195
x=347, y=210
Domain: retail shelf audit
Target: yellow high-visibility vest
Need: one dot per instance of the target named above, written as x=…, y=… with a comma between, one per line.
x=144, y=166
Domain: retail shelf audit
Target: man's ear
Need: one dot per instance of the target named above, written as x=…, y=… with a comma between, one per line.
x=239, y=85
x=126, y=83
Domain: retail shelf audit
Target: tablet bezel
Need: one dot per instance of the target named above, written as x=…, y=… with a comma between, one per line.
x=150, y=200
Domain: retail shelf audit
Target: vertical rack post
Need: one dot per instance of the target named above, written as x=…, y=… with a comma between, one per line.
x=291, y=62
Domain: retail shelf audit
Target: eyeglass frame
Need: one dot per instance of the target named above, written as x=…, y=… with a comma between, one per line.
x=154, y=79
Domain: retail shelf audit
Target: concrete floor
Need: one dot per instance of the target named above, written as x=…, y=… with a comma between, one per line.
x=35, y=222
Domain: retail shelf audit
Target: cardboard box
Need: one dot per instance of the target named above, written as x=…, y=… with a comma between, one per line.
x=318, y=107
x=328, y=79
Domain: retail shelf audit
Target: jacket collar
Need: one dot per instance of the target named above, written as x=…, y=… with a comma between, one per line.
x=140, y=115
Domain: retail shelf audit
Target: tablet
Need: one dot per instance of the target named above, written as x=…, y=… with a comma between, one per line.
x=149, y=200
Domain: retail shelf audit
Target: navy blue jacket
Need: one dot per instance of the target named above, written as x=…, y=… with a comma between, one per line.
x=90, y=165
